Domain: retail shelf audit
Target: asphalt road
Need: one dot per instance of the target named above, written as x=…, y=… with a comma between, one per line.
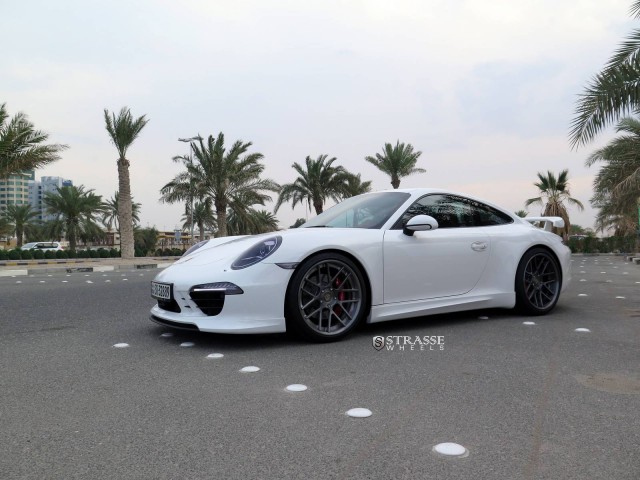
x=527, y=401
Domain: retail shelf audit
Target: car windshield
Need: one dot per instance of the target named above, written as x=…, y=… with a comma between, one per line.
x=29, y=245
x=371, y=210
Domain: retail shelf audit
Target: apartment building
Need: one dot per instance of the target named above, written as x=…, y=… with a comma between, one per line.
x=15, y=189
x=37, y=192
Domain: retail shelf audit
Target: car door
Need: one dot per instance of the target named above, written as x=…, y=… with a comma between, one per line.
x=444, y=262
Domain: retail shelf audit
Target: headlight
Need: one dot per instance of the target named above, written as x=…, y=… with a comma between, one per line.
x=194, y=248
x=257, y=253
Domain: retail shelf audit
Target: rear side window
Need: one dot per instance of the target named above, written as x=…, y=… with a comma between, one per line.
x=452, y=211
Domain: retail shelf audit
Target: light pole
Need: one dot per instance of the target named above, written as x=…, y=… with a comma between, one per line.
x=190, y=142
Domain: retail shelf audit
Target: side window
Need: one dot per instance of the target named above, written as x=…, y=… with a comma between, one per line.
x=452, y=211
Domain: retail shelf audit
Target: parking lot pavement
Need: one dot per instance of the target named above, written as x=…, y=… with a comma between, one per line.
x=525, y=401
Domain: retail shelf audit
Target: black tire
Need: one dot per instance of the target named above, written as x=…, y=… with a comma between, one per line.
x=327, y=298
x=538, y=282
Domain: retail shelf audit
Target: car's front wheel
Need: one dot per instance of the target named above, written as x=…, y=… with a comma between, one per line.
x=538, y=282
x=327, y=298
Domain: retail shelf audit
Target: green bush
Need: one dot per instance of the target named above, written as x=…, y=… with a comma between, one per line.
x=93, y=254
x=113, y=253
x=103, y=253
x=49, y=254
x=158, y=252
x=62, y=254
x=38, y=254
x=3, y=254
x=26, y=255
x=176, y=252
x=72, y=254
x=82, y=254
x=14, y=255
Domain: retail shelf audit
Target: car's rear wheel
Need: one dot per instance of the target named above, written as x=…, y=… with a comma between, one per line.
x=538, y=282
x=327, y=298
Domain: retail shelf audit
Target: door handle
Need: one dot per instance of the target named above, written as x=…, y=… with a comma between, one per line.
x=479, y=246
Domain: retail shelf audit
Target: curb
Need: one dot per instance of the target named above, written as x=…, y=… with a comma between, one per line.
x=96, y=268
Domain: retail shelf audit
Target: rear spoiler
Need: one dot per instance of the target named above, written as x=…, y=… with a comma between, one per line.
x=549, y=222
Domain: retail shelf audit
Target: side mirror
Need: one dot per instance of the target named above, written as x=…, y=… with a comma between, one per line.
x=419, y=223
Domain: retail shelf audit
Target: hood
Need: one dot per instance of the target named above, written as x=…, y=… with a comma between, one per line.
x=223, y=248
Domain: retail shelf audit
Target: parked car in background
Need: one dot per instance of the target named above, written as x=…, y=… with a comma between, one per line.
x=43, y=246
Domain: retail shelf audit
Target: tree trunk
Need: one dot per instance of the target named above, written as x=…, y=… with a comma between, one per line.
x=19, y=236
x=124, y=210
x=71, y=233
x=201, y=229
x=221, y=214
x=395, y=181
x=318, y=207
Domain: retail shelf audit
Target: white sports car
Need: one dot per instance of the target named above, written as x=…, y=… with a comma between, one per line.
x=375, y=257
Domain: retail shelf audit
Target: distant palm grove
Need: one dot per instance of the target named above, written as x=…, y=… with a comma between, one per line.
x=224, y=188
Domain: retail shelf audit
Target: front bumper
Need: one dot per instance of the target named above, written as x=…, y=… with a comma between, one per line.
x=260, y=309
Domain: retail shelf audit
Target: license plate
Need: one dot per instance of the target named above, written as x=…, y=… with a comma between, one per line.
x=161, y=291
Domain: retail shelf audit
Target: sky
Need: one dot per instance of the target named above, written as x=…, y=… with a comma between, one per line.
x=485, y=89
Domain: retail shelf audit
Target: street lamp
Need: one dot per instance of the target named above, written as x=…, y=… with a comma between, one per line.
x=190, y=142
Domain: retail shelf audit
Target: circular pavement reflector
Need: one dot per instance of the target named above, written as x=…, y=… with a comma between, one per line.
x=450, y=449
x=187, y=344
x=582, y=330
x=121, y=345
x=359, y=412
x=215, y=355
x=296, y=387
x=583, y=295
x=250, y=369
x=166, y=334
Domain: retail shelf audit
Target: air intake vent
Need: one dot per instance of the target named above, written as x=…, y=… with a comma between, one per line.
x=209, y=301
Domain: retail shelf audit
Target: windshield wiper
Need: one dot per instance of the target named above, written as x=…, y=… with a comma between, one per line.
x=319, y=226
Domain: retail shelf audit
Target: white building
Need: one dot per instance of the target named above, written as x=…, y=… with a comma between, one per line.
x=37, y=191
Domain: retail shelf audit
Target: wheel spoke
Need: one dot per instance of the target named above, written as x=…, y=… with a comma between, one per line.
x=540, y=281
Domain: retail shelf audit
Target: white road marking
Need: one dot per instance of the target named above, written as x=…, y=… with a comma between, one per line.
x=359, y=412
x=121, y=345
x=250, y=369
x=296, y=387
x=582, y=330
x=451, y=449
x=215, y=355
x=187, y=344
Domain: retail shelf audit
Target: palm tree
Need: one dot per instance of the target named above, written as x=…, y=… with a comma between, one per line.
x=20, y=219
x=617, y=184
x=203, y=217
x=553, y=193
x=5, y=227
x=316, y=183
x=613, y=92
x=252, y=222
x=77, y=212
x=397, y=162
x=522, y=213
x=146, y=239
x=22, y=147
x=229, y=178
x=355, y=186
x=110, y=215
x=123, y=131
